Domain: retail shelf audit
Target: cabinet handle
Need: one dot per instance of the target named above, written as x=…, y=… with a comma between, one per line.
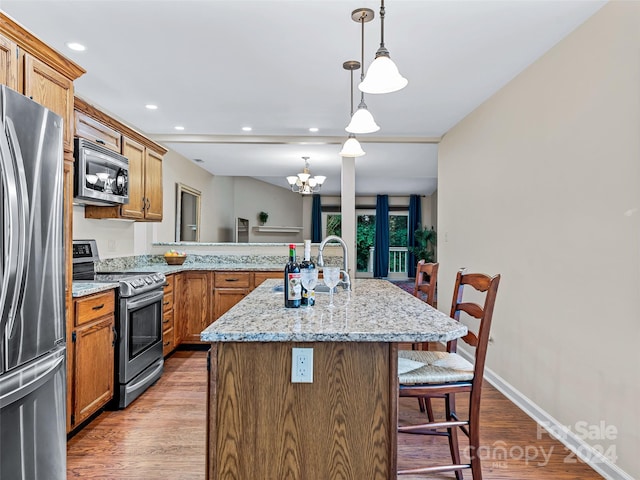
x=165, y=321
x=166, y=303
x=148, y=204
x=167, y=344
x=98, y=307
x=144, y=204
x=231, y=279
x=100, y=141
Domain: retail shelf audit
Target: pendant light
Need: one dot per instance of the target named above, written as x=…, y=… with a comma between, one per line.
x=351, y=147
x=362, y=121
x=383, y=75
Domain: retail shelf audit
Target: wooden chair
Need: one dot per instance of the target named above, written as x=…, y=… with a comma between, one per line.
x=446, y=374
x=425, y=289
x=426, y=280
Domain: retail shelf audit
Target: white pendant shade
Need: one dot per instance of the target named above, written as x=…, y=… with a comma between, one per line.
x=362, y=121
x=352, y=148
x=382, y=77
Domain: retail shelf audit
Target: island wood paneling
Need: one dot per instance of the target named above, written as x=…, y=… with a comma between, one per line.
x=339, y=426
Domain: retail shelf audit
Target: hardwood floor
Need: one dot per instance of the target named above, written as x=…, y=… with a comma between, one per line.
x=161, y=436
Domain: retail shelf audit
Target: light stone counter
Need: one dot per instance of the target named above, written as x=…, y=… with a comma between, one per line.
x=375, y=311
x=82, y=288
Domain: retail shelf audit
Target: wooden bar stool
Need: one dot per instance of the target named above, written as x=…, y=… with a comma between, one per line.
x=445, y=374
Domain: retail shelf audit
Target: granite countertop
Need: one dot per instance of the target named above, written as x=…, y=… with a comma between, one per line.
x=81, y=288
x=375, y=311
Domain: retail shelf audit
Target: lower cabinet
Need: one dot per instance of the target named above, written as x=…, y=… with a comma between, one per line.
x=193, y=305
x=168, y=337
x=91, y=354
x=228, y=289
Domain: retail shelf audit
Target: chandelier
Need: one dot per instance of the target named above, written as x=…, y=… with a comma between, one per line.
x=304, y=183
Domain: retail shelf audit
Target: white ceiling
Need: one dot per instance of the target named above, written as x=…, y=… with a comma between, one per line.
x=218, y=65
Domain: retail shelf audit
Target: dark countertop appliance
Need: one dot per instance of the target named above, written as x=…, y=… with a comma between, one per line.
x=139, y=359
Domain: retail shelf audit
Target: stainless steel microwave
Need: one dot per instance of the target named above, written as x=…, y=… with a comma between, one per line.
x=101, y=175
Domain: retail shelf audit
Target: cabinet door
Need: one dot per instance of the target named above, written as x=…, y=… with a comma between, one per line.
x=153, y=186
x=8, y=63
x=225, y=298
x=51, y=89
x=135, y=152
x=91, y=129
x=259, y=277
x=194, y=305
x=94, y=367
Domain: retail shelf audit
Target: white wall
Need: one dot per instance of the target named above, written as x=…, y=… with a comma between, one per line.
x=542, y=184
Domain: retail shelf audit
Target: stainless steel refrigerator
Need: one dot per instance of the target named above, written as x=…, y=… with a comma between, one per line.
x=32, y=343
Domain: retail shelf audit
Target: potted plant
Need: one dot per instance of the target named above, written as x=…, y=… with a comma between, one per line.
x=425, y=248
x=263, y=217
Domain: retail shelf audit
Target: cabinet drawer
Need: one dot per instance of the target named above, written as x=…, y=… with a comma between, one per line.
x=94, y=306
x=170, y=283
x=167, y=301
x=167, y=320
x=168, y=342
x=87, y=127
x=232, y=280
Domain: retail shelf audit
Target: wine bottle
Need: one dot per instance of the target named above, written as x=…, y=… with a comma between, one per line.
x=292, y=285
x=308, y=298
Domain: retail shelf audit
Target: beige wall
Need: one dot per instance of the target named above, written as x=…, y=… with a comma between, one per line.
x=542, y=184
x=284, y=207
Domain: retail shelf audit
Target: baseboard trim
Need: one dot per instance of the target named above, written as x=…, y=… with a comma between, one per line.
x=595, y=459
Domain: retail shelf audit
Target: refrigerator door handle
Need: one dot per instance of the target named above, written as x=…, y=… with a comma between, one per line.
x=10, y=183
x=40, y=377
x=23, y=209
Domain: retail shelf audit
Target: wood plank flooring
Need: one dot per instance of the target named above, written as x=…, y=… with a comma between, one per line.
x=161, y=436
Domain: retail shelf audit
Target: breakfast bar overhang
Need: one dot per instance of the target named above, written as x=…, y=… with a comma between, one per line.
x=340, y=426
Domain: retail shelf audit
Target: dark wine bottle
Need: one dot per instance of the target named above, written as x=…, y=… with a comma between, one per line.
x=308, y=298
x=292, y=285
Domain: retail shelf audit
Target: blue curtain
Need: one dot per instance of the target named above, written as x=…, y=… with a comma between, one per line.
x=316, y=220
x=381, y=262
x=415, y=216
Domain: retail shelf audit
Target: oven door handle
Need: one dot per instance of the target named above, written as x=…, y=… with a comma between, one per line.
x=145, y=300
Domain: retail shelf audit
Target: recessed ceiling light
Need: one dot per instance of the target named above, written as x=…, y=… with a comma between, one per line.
x=151, y=106
x=314, y=129
x=179, y=127
x=246, y=129
x=78, y=47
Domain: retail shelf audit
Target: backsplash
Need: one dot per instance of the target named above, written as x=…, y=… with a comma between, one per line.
x=119, y=264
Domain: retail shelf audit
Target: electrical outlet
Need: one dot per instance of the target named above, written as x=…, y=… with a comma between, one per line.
x=302, y=365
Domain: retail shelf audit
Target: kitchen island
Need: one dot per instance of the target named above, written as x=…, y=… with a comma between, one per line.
x=340, y=426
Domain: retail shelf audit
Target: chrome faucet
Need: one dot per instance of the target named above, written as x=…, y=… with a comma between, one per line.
x=346, y=281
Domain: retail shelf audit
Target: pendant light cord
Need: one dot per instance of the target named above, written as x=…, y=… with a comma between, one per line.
x=351, y=114
x=381, y=23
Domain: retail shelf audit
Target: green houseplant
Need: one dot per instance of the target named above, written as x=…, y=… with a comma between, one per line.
x=263, y=217
x=426, y=240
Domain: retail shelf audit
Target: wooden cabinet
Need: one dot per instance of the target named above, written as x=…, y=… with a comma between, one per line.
x=8, y=63
x=259, y=277
x=91, y=355
x=145, y=164
x=193, y=306
x=153, y=186
x=53, y=90
x=168, y=336
x=229, y=289
x=95, y=131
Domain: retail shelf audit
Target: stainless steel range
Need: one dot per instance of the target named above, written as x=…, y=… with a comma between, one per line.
x=139, y=360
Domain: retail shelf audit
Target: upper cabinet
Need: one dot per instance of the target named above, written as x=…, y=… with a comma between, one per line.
x=34, y=69
x=145, y=164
